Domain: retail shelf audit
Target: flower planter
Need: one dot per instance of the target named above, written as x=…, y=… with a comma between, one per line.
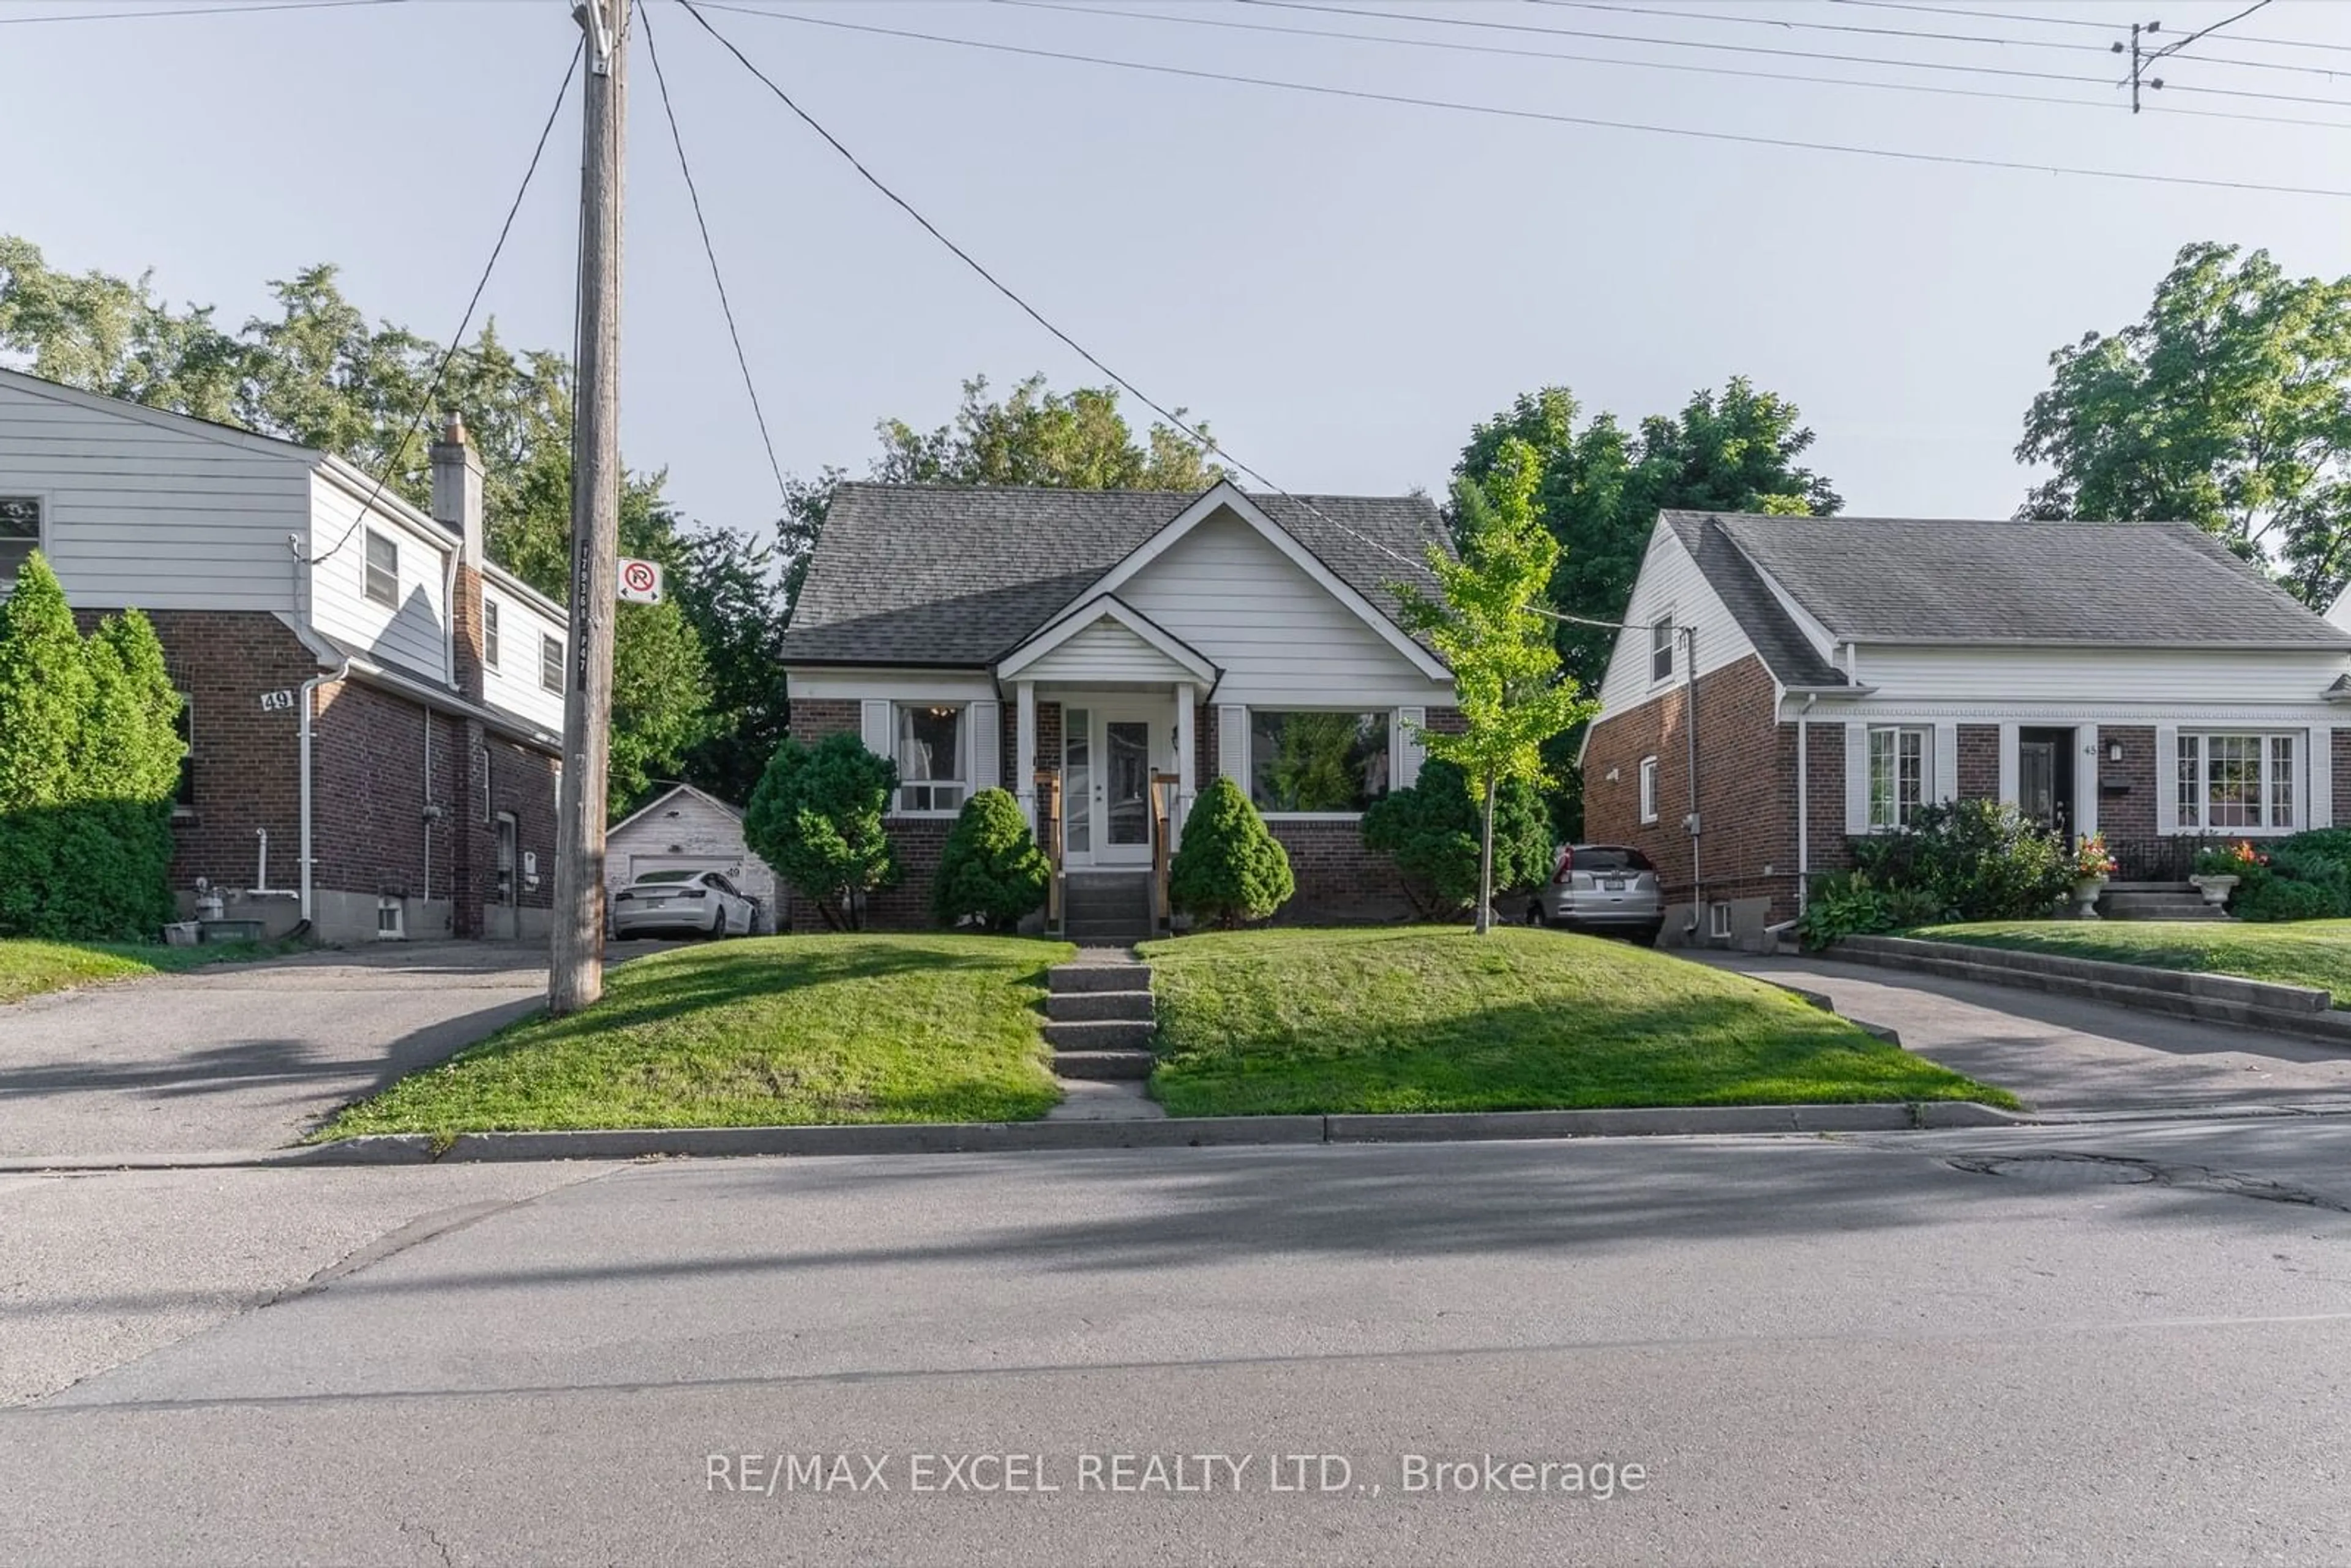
x=2215, y=889
x=2085, y=897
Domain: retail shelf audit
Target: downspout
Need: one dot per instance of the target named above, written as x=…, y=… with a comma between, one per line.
x=1689, y=729
x=309, y=689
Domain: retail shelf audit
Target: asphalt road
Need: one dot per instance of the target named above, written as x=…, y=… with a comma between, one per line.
x=2113, y=1344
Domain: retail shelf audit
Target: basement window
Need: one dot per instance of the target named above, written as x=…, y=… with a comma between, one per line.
x=1718, y=920
x=382, y=569
x=391, y=920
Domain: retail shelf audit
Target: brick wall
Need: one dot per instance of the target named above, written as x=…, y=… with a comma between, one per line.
x=1338, y=878
x=2129, y=815
x=1979, y=762
x=1745, y=788
x=1827, y=848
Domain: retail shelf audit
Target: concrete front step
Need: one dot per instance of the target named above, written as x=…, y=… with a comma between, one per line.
x=1098, y=977
x=1107, y=933
x=1103, y=1064
x=1086, y=1006
x=1099, y=1034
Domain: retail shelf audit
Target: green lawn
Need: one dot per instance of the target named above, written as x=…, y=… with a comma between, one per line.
x=2298, y=953
x=28, y=967
x=756, y=1033
x=1434, y=1019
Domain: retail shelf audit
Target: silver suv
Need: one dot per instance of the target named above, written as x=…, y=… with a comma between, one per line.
x=1608, y=890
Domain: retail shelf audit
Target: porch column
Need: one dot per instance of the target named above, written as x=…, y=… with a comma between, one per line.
x=1186, y=747
x=1024, y=761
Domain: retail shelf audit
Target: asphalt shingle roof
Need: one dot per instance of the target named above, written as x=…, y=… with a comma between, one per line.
x=1889, y=579
x=961, y=575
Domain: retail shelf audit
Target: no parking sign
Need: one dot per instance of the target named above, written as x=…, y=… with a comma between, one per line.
x=641, y=582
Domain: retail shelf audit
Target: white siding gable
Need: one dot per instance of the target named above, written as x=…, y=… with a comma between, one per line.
x=1278, y=634
x=149, y=511
x=1106, y=651
x=686, y=829
x=513, y=684
x=410, y=632
x=1670, y=584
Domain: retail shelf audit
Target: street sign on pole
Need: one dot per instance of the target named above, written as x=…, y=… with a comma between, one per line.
x=641, y=582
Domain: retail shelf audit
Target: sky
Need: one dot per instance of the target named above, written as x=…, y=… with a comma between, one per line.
x=1342, y=287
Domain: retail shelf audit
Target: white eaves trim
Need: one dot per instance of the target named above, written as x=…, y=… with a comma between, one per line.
x=384, y=502
x=1093, y=611
x=1224, y=496
x=184, y=424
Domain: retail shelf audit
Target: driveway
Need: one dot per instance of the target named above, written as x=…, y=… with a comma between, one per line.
x=244, y=1057
x=2063, y=1054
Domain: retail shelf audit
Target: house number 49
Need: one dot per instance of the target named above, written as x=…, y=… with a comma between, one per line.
x=277, y=702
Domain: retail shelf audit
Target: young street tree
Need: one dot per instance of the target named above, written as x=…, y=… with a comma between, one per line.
x=1491, y=629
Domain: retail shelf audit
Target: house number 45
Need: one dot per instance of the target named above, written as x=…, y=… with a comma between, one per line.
x=277, y=702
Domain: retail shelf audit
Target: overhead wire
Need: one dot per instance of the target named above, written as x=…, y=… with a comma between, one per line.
x=449, y=354
x=2108, y=27
x=178, y=11
x=710, y=251
x=1457, y=106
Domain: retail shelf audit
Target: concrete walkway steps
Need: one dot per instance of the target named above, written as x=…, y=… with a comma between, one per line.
x=2216, y=998
x=2156, y=901
x=1099, y=1023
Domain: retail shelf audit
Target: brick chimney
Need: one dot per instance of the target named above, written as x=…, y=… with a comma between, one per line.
x=457, y=506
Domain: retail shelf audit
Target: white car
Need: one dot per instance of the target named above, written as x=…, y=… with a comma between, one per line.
x=683, y=902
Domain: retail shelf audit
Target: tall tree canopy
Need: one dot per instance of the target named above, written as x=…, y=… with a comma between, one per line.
x=1599, y=487
x=320, y=373
x=2228, y=404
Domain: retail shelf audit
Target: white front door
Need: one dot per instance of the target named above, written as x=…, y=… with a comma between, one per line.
x=1108, y=751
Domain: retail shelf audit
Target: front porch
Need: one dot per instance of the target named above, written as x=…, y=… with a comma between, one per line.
x=1108, y=771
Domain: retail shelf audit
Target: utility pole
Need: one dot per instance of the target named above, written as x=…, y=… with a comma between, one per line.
x=2140, y=60
x=576, y=976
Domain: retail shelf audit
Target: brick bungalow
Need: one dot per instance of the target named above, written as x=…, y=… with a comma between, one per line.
x=2136, y=679
x=373, y=707
x=980, y=637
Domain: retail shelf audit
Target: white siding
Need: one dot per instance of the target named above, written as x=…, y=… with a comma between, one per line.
x=155, y=515
x=2109, y=679
x=514, y=686
x=1669, y=584
x=1278, y=634
x=687, y=830
x=1106, y=651
x=410, y=632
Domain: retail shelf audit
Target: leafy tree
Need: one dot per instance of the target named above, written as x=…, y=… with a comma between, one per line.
x=1230, y=870
x=1491, y=629
x=991, y=869
x=727, y=594
x=2226, y=404
x=1601, y=488
x=1432, y=830
x=816, y=817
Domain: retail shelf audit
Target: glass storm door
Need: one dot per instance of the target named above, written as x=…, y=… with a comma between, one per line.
x=1078, y=785
x=1125, y=792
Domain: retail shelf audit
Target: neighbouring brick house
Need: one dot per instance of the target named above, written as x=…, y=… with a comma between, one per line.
x=2130, y=678
x=980, y=635
x=372, y=707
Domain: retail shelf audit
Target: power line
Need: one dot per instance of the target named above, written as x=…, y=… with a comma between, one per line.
x=2108, y=27
x=2205, y=32
x=1455, y=106
x=710, y=251
x=1515, y=52
x=193, y=11
x=1945, y=66
x=439, y=371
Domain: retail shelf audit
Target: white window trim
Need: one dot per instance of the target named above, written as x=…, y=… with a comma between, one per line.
x=1673, y=645
x=1927, y=775
x=2297, y=773
x=962, y=780
x=545, y=640
x=41, y=534
x=368, y=568
x=490, y=633
x=1247, y=780
x=1718, y=919
x=1648, y=777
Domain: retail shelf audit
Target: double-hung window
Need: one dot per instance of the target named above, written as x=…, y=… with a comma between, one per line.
x=2235, y=781
x=1897, y=775
x=20, y=535
x=1649, y=789
x=929, y=751
x=1312, y=761
x=490, y=633
x=1661, y=649
x=550, y=663
x=382, y=583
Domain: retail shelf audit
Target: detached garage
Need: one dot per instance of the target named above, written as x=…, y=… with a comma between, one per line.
x=683, y=829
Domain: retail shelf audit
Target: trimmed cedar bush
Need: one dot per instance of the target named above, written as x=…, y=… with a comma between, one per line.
x=1431, y=831
x=991, y=870
x=1230, y=870
x=1974, y=860
x=89, y=760
x=816, y=817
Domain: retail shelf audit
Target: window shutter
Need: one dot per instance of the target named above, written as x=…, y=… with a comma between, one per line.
x=986, y=746
x=1944, y=764
x=1405, y=742
x=879, y=739
x=1232, y=745
x=1857, y=779
x=2318, y=801
x=2166, y=780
